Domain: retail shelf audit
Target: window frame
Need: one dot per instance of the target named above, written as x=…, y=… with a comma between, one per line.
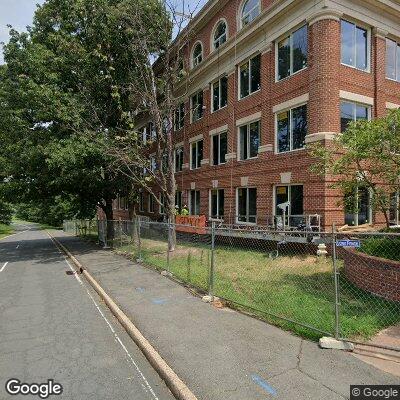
x=196, y=191
x=397, y=60
x=289, y=186
x=213, y=40
x=247, y=124
x=196, y=94
x=194, y=60
x=151, y=204
x=369, y=45
x=219, y=148
x=354, y=103
x=218, y=190
x=242, y=17
x=248, y=62
x=195, y=142
x=247, y=208
x=182, y=156
x=290, y=36
x=291, y=128
x=219, y=93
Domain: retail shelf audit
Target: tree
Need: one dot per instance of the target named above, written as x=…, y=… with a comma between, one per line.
x=6, y=213
x=65, y=93
x=366, y=155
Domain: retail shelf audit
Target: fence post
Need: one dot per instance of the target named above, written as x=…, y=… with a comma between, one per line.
x=169, y=246
x=139, y=259
x=337, y=289
x=211, y=281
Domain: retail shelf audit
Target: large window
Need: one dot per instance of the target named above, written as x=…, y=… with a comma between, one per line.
x=357, y=206
x=197, y=106
x=178, y=159
x=196, y=154
x=219, y=148
x=179, y=116
x=247, y=205
x=292, y=53
x=392, y=60
x=355, y=46
x=250, y=77
x=152, y=204
x=220, y=93
x=178, y=200
x=217, y=200
x=220, y=35
x=291, y=129
x=249, y=140
x=292, y=195
x=250, y=10
x=350, y=112
x=141, y=202
x=194, y=202
x=197, y=56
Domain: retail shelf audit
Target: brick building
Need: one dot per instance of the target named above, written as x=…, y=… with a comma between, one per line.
x=268, y=77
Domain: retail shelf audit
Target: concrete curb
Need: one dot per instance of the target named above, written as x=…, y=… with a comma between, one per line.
x=172, y=380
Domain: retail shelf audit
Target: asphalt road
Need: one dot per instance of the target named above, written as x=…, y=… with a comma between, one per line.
x=54, y=326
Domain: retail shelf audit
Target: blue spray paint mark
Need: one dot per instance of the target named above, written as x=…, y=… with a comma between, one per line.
x=140, y=289
x=159, y=301
x=259, y=381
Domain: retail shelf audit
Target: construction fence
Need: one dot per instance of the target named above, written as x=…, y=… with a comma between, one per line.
x=315, y=284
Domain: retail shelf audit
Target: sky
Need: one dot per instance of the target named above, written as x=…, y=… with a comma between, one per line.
x=19, y=14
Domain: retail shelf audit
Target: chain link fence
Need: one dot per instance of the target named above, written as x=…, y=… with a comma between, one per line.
x=312, y=283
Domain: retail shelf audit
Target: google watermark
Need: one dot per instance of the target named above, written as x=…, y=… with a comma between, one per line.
x=374, y=392
x=42, y=390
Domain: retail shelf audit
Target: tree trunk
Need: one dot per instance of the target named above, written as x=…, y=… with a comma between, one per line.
x=171, y=226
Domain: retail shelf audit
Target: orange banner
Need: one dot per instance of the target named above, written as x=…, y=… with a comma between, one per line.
x=192, y=224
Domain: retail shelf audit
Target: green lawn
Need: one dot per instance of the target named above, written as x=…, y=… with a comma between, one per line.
x=299, y=288
x=5, y=230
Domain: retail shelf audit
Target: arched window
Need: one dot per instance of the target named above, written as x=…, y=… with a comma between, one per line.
x=197, y=57
x=220, y=35
x=250, y=10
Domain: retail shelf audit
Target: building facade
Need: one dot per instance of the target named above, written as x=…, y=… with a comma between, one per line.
x=264, y=79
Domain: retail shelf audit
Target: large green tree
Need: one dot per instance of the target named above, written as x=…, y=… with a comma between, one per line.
x=66, y=93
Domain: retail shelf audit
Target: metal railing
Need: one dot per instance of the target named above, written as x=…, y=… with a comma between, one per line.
x=324, y=283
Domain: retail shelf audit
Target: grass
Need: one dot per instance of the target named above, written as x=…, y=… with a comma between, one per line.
x=296, y=287
x=5, y=230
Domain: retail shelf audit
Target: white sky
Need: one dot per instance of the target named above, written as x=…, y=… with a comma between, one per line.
x=19, y=14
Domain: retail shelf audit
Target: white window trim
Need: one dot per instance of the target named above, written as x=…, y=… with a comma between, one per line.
x=192, y=121
x=290, y=36
x=237, y=206
x=369, y=47
x=368, y=106
x=212, y=94
x=397, y=50
x=190, y=155
x=212, y=41
x=248, y=141
x=212, y=147
x=276, y=147
x=392, y=106
x=210, y=201
x=240, y=79
x=241, y=17
x=192, y=63
x=175, y=150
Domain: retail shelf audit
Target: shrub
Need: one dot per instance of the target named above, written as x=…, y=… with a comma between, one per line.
x=6, y=212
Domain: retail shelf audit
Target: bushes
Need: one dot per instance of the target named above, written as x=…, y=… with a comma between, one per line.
x=6, y=212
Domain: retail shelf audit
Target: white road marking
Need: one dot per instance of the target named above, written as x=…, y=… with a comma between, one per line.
x=146, y=386
x=2, y=268
x=17, y=246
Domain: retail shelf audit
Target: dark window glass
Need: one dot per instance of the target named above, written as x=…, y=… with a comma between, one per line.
x=243, y=142
x=195, y=202
x=284, y=59
x=224, y=91
x=197, y=54
x=247, y=205
x=391, y=47
x=361, y=112
x=255, y=69
x=217, y=203
x=299, y=123
x=296, y=200
x=281, y=196
x=220, y=35
x=178, y=200
x=348, y=43
x=346, y=115
x=199, y=153
x=300, y=47
x=223, y=147
x=283, y=132
x=197, y=106
x=216, y=96
x=215, y=144
x=252, y=213
x=254, y=139
x=244, y=80
x=194, y=153
x=178, y=159
x=251, y=9
x=220, y=93
x=398, y=63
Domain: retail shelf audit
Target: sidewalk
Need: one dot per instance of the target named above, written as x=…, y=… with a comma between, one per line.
x=221, y=354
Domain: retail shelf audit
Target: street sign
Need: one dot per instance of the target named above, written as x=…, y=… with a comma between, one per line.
x=348, y=243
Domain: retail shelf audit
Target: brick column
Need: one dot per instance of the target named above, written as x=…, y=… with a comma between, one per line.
x=379, y=67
